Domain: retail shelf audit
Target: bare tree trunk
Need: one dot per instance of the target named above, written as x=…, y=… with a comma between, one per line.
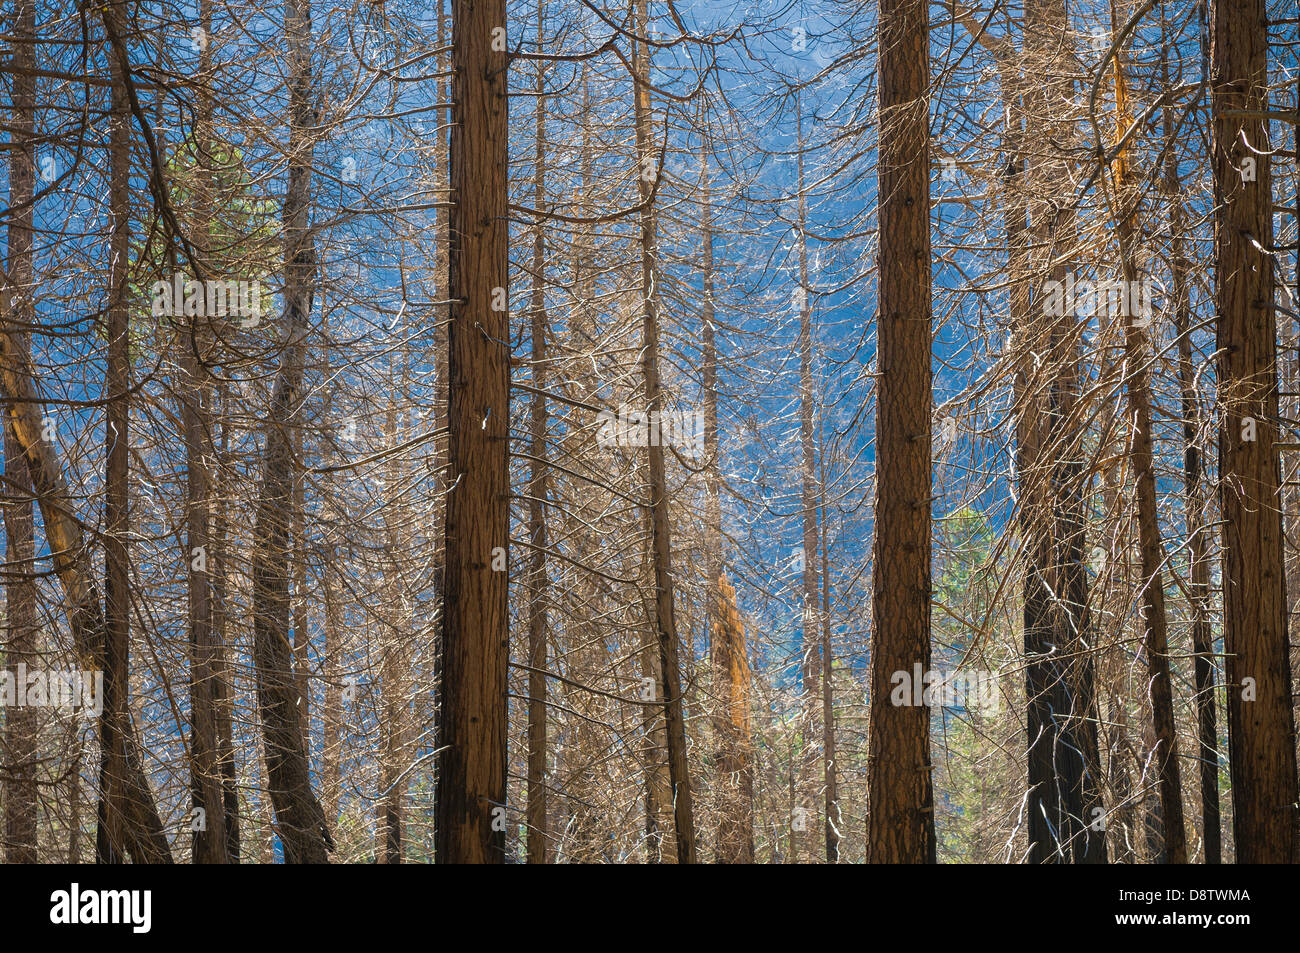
x=834, y=821
x=670, y=692
x=658, y=792
x=1154, y=618
x=128, y=818
x=394, y=657
x=299, y=817
x=21, y=629
x=223, y=682
x=1261, y=722
x=811, y=630
x=332, y=716
x=900, y=824
x=709, y=393
x=301, y=641
x=208, y=826
x=1064, y=757
x=1198, y=532
x=471, y=791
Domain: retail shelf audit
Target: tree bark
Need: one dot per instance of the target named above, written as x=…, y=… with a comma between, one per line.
x=1261, y=724
x=128, y=820
x=669, y=670
x=21, y=629
x=900, y=822
x=834, y=820
x=471, y=795
x=1066, y=819
x=208, y=824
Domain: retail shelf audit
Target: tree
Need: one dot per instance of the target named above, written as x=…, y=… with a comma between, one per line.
x=20, y=795
x=1261, y=725
x=900, y=823
x=471, y=796
x=299, y=817
x=668, y=669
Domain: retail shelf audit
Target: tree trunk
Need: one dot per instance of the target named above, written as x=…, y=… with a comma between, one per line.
x=21, y=629
x=1066, y=823
x=208, y=821
x=1261, y=724
x=669, y=671
x=128, y=818
x=1154, y=619
x=811, y=630
x=223, y=681
x=393, y=650
x=900, y=823
x=301, y=822
x=834, y=821
x=471, y=795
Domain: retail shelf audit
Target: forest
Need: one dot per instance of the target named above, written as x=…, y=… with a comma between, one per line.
x=650, y=432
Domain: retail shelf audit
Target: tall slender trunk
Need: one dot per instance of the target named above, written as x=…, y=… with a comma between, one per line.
x=1064, y=758
x=834, y=820
x=1063, y=801
x=729, y=661
x=135, y=814
x=658, y=790
x=537, y=587
x=208, y=840
x=21, y=629
x=128, y=819
x=301, y=821
x=301, y=641
x=709, y=393
x=1154, y=618
x=900, y=824
x=441, y=357
x=670, y=692
x=811, y=630
x=471, y=793
x=223, y=680
x=1207, y=755
x=396, y=656
x=332, y=714
x=1261, y=722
